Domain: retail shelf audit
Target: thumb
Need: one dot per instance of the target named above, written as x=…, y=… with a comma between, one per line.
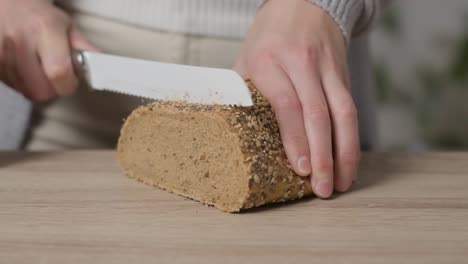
x=240, y=66
x=79, y=41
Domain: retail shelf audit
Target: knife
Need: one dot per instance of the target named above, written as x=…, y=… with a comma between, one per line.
x=161, y=81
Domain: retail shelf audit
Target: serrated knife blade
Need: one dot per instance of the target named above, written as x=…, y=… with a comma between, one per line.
x=162, y=81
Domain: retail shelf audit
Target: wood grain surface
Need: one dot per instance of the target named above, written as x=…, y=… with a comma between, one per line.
x=77, y=207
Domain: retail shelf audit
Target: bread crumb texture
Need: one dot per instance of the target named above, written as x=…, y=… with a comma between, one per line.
x=227, y=156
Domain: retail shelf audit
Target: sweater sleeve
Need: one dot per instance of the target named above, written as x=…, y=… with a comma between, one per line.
x=352, y=16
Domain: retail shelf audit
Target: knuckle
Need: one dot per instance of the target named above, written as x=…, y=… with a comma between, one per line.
x=266, y=52
x=59, y=72
x=47, y=21
x=284, y=101
x=347, y=111
x=41, y=22
x=296, y=141
x=11, y=39
x=316, y=113
x=304, y=54
x=323, y=165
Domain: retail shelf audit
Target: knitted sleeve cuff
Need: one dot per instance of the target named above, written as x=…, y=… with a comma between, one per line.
x=352, y=16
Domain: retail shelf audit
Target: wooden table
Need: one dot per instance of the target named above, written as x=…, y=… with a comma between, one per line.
x=77, y=207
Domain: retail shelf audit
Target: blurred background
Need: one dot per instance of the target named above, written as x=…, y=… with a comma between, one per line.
x=420, y=57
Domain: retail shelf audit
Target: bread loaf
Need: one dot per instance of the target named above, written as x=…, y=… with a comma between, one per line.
x=227, y=156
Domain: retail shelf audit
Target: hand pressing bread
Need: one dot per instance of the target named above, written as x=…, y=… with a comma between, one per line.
x=295, y=54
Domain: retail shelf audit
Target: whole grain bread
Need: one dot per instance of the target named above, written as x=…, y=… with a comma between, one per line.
x=226, y=156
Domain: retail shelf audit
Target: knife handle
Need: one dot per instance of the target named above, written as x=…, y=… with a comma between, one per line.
x=80, y=67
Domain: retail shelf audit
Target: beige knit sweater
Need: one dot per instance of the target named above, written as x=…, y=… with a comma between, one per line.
x=222, y=18
x=216, y=18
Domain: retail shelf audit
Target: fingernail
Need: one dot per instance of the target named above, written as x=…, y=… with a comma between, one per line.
x=323, y=188
x=303, y=166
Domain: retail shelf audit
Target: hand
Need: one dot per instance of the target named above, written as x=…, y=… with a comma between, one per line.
x=296, y=55
x=35, y=47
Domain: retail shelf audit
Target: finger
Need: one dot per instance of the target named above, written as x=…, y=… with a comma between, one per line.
x=241, y=69
x=12, y=77
x=36, y=85
x=307, y=82
x=277, y=88
x=55, y=55
x=2, y=60
x=2, y=70
x=79, y=41
x=345, y=125
x=240, y=66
